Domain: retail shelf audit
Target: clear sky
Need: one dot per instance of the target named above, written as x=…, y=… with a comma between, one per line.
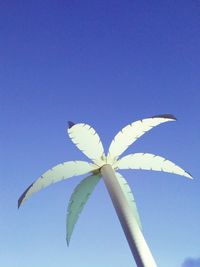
x=106, y=63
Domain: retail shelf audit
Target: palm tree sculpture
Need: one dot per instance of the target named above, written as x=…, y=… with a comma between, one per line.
x=88, y=141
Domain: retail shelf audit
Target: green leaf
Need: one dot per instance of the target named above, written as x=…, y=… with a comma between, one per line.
x=147, y=161
x=88, y=141
x=58, y=173
x=129, y=134
x=129, y=196
x=77, y=201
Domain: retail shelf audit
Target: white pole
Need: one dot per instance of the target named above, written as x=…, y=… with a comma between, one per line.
x=134, y=236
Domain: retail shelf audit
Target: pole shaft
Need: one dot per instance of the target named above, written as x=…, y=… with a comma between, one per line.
x=134, y=236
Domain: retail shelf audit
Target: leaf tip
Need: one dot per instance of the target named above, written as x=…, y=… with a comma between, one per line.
x=70, y=124
x=18, y=204
x=22, y=197
x=68, y=240
x=166, y=116
x=189, y=175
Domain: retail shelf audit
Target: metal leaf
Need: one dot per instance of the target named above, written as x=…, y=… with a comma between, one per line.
x=77, y=201
x=129, y=196
x=59, y=172
x=146, y=161
x=88, y=141
x=129, y=134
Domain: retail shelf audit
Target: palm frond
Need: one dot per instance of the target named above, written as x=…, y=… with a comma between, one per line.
x=88, y=141
x=146, y=161
x=129, y=134
x=59, y=172
x=77, y=201
x=129, y=197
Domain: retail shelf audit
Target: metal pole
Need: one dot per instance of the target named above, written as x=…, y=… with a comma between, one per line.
x=134, y=236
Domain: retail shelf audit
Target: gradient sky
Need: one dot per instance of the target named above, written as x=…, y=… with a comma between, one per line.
x=106, y=63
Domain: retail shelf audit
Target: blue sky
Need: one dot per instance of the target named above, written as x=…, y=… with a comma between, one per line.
x=106, y=63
